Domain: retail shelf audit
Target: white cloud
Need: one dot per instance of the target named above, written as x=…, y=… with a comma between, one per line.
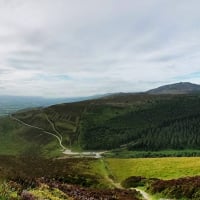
x=77, y=48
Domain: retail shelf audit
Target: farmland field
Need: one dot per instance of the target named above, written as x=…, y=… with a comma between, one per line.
x=163, y=168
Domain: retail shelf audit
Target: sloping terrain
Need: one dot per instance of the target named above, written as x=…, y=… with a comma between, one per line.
x=135, y=121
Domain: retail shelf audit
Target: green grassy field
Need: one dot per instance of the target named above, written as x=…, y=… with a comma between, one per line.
x=163, y=168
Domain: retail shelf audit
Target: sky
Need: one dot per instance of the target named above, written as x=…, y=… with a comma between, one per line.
x=69, y=48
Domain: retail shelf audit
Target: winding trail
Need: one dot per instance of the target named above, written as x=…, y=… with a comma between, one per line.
x=41, y=129
x=67, y=152
x=12, y=117
x=53, y=127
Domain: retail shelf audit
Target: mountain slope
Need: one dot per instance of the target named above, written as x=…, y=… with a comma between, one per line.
x=169, y=122
x=177, y=88
x=136, y=121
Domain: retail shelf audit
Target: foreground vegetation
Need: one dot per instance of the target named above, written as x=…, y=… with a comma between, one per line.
x=182, y=188
x=31, y=178
x=59, y=190
x=27, y=178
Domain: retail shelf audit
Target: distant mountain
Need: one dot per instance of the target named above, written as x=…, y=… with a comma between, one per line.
x=177, y=88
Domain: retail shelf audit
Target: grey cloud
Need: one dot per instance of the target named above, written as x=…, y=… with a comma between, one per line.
x=102, y=45
x=4, y=71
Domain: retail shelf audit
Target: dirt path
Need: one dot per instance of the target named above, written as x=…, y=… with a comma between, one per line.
x=56, y=131
x=41, y=129
x=53, y=127
x=66, y=151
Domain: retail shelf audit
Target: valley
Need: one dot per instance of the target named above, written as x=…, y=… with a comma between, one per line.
x=123, y=146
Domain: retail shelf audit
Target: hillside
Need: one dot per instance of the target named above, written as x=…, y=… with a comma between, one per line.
x=140, y=121
x=154, y=123
x=132, y=121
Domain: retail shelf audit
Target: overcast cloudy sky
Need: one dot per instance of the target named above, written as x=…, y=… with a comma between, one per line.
x=57, y=48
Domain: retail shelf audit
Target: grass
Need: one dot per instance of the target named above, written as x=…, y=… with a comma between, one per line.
x=17, y=139
x=51, y=150
x=65, y=125
x=10, y=142
x=163, y=168
x=99, y=167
